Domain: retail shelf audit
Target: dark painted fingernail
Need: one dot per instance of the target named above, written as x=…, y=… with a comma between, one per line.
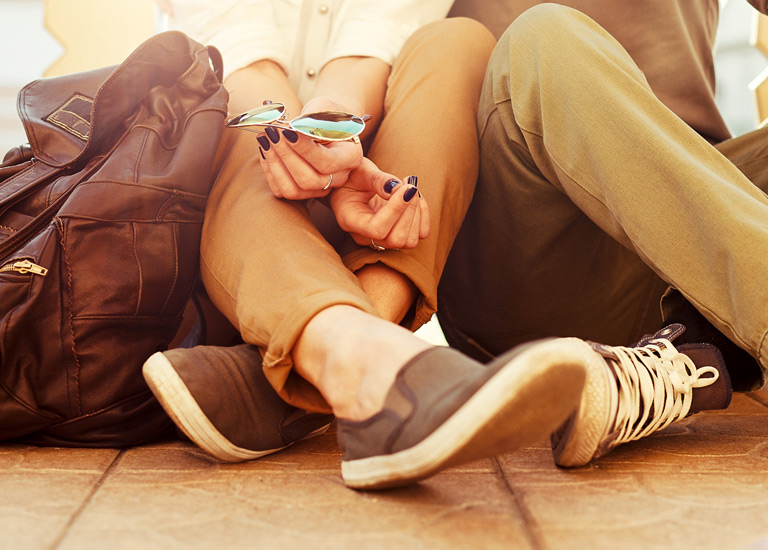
x=262, y=154
x=273, y=135
x=264, y=142
x=410, y=194
x=390, y=185
x=413, y=180
x=291, y=136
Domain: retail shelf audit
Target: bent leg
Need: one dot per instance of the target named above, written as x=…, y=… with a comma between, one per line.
x=266, y=266
x=429, y=131
x=576, y=122
x=749, y=152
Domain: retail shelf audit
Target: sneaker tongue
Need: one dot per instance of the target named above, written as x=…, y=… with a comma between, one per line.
x=716, y=395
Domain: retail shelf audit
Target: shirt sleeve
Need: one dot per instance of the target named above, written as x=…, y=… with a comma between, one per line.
x=244, y=31
x=376, y=28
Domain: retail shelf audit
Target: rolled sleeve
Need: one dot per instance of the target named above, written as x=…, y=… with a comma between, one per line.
x=372, y=28
x=243, y=31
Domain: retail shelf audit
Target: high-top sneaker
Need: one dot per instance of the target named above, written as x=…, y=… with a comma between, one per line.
x=632, y=392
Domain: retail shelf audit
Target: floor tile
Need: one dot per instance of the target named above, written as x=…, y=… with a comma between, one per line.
x=37, y=506
x=647, y=511
x=15, y=458
x=265, y=509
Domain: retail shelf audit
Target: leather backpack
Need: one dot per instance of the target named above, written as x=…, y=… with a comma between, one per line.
x=100, y=221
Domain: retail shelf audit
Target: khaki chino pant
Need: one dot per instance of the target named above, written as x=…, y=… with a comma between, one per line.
x=268, y=266
x=593, y=197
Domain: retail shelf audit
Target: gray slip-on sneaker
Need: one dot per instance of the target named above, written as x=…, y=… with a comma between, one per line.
x=220, y=398
x=445, y=409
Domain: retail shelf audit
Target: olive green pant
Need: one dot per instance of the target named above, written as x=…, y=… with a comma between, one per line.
x=593, y=198
x=267, y=263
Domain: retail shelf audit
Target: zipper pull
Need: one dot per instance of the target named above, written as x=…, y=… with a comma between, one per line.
x=25, y=266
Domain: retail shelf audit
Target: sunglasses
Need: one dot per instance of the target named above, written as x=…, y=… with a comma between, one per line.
x=322, y=126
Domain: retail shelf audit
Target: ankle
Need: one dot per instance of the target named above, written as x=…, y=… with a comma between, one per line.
x=714, y=396
x=352, y=358
x=391, y=292
x=742, y=369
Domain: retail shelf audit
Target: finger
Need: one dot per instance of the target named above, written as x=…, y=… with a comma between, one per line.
x=405, y=231
x=278, y=177
x=268, y=174
x=376, y=225
x=414, y=236
x=285, y=171
x=271, y=181
x=303, y=173
x=329, y=158
x=424, y=222
x=370, y=178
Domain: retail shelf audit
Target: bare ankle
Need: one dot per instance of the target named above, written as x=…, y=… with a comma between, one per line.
x=391, y=292
x=352, y=358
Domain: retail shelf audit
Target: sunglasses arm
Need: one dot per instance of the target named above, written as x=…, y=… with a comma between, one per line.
x=255, y=127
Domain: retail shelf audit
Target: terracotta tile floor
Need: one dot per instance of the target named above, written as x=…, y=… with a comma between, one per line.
x=702, y=483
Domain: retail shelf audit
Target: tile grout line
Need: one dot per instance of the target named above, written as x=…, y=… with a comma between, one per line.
x=528, y=519
x=86, y=501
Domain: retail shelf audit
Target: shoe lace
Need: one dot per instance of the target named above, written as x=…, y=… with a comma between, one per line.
x=655, y=384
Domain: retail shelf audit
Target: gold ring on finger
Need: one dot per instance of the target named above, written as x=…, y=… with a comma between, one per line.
x=376, y=247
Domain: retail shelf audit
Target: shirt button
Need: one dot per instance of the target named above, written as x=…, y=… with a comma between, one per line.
x=311, y=73
x=323, y=9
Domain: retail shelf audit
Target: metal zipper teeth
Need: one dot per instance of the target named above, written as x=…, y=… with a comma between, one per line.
x=23, y=267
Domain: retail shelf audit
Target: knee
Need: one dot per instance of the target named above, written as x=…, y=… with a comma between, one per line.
x=449, y=54
x=545, y=21
x=459, y=39
x=543, y=31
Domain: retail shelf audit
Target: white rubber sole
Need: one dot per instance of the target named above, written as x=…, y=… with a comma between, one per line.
x=576, y=443
x=525, y=401
x=181, y=406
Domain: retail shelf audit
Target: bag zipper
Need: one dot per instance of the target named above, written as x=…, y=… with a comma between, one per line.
x=24, y=267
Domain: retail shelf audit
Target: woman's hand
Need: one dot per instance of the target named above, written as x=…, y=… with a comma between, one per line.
x=376, y=208
x=297, y=167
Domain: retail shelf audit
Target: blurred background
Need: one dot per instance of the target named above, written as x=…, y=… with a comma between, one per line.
x=32, y=33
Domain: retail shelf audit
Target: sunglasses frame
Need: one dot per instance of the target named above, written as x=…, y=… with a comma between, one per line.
x=281, y=122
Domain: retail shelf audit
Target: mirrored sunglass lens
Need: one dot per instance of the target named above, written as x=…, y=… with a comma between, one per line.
x=329, y=125
x=260, y=115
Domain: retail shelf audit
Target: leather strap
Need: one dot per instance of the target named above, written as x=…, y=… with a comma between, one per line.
x=217, y=62
x=25, y=183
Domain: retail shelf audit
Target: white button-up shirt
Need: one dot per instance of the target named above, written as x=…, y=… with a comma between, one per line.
x=303, y=35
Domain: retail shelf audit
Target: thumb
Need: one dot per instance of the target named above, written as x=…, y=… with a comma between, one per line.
x=369, y=177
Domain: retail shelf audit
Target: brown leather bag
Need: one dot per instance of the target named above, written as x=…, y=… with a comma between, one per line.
x=100, y=220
